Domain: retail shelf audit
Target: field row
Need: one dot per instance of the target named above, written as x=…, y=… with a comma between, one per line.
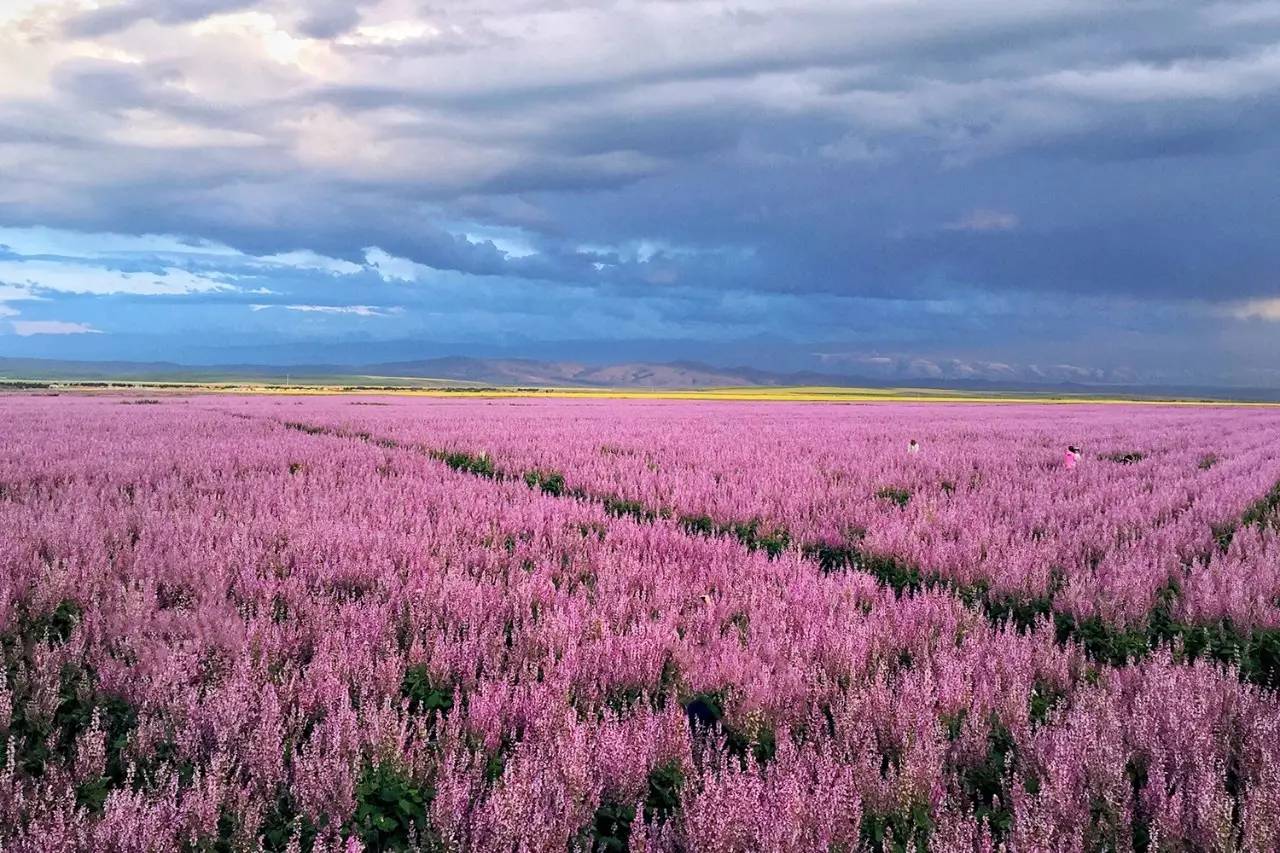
x=1178, y=540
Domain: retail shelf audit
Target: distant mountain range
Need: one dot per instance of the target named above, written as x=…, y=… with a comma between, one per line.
x=517, y=371
x=466, y=371
x=529, y=373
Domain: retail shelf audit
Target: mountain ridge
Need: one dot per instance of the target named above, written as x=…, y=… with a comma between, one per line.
x=465, y=371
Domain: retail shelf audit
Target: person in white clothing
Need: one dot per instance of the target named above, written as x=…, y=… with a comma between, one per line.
x=913, y=447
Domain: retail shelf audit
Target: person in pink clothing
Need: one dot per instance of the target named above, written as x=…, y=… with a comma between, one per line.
x=1071, y=457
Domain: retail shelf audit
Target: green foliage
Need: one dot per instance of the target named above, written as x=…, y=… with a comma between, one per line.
x=391, y=809
x=590, y=529
x=1106, y=832
x=610, y=830
x=54, y=627
x=1102, y=642
x=1124, y=457
x=495, y=764
x=280, y=825
x=746, y=532
x=1023, y=613
x=495, y=761
x=34, y=742
x=164, y=755
x=1256, y=652
x=700, y=525
x=307, y=428
x=750, y=533
x=1262, y=510
x=830, y=558
x=1265, y=510
x=892, y=572
x=480, y=465
x=1140, y=825
x=1161, y=627
x=663, y=798
x=92, y=794
x=894, y=495
x=1260, y=658
x=762, y=743
x=224, y=836
x=755, y=537
x=772, y=543
x=621, y=700
x=985, y=784
x=118, y=720
x=905, y=828
x=621, y=507
x=706, y=711
x=551, y=482
x=425, y=694
x=1044, y=698
x=953, y=724
x=668, y=678
x=1223, y=534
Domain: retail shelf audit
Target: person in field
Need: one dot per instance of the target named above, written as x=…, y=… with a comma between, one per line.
x=913, y=447
x=1071, y=457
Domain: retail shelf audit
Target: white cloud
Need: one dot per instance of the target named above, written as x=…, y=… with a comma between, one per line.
x=644, y=251
x=984, y=220
x=1226, y=79
x=308, y=260
x=74, y=277
x=392, y=268
x=26, y=328
x=261, y=30
x=511, y=242
x=11, y=293
x=1256, y=309
x=357, y=310
x=150, y=129
x=852, y=148
x=64, y=245
x=392, y=32
x=81, y=244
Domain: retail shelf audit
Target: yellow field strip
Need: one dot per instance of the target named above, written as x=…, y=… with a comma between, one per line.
x=800, y=394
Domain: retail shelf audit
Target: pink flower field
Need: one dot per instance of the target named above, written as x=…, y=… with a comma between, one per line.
x=394, y=623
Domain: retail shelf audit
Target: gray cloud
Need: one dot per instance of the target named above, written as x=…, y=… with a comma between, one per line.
x=326, y=20
x=1049, y=150
x=111, y=18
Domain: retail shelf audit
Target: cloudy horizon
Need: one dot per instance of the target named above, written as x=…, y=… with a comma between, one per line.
x=1073, y=190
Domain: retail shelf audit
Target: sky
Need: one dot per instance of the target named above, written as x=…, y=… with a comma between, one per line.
x=1057, y=190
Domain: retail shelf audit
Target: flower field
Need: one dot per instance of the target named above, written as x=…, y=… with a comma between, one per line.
x=357, y=623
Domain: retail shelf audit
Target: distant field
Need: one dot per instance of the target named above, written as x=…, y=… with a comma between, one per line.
x=431, y=387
